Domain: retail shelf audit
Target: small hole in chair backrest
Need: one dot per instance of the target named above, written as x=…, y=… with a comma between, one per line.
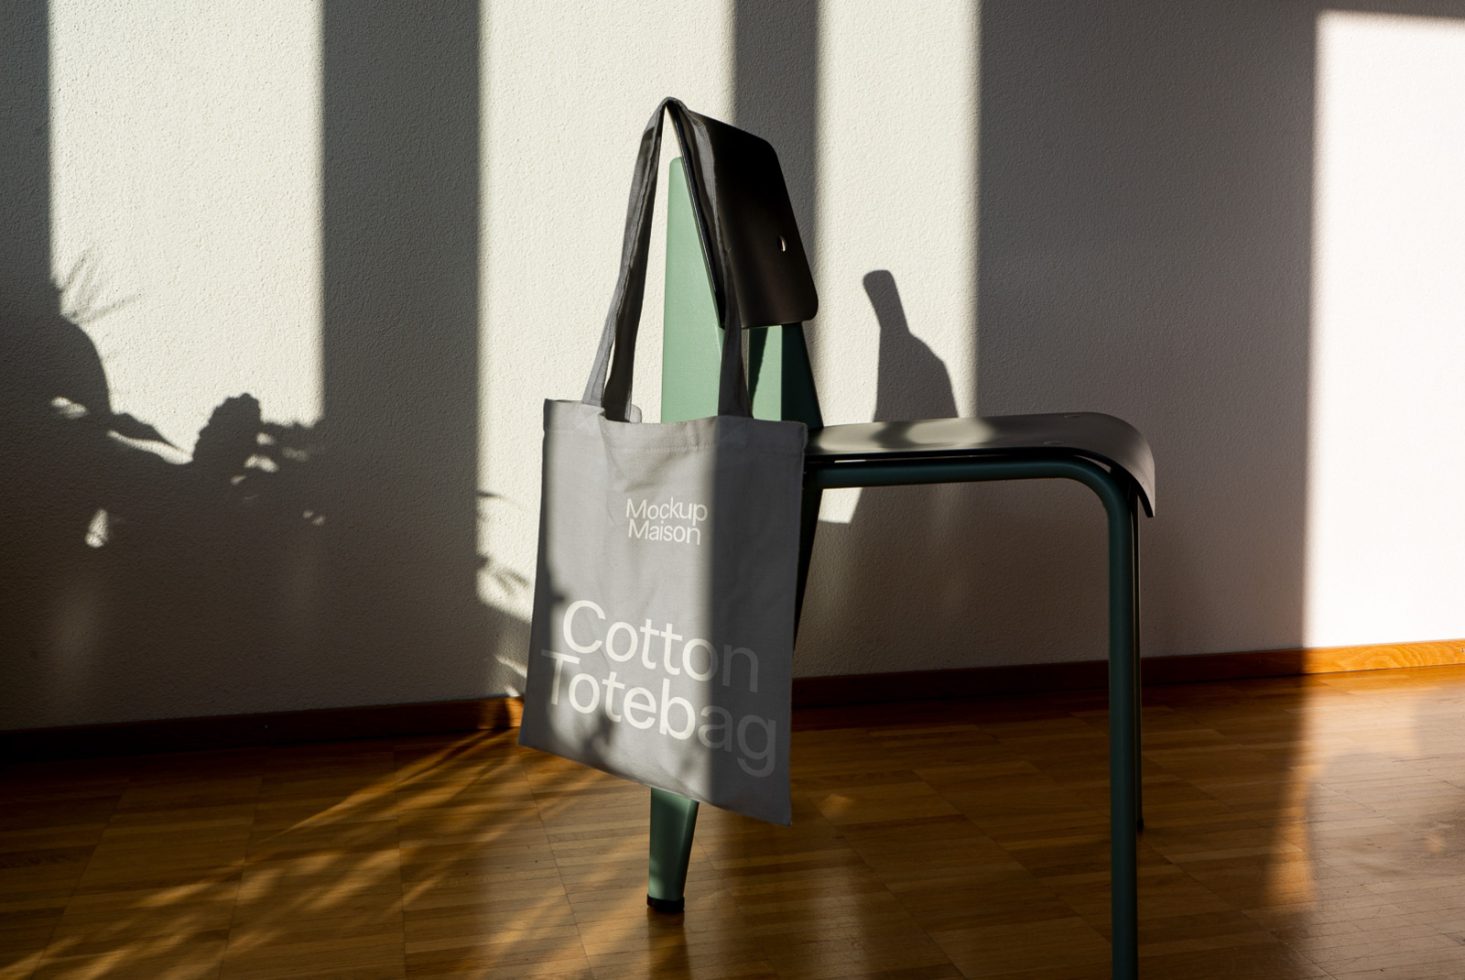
x=782, y=245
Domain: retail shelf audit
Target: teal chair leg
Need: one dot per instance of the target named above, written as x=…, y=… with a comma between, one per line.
x=1139, y=791
x=673, y=822
x=1124, y=792
x=808, y=524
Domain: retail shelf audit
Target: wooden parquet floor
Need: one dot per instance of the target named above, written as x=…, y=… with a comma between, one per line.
x=1298, y=828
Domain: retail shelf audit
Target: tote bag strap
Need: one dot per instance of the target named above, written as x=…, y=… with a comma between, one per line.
x=611, y=389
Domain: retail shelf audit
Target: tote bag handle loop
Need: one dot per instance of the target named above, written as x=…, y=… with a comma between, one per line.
x=611, y=390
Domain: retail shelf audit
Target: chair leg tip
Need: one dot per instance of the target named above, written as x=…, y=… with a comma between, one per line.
x=670, y=906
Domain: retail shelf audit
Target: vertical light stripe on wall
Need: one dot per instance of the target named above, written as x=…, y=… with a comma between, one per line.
x=573, y=85
x=896, y=192
x=1385, y=524
x=186, y=202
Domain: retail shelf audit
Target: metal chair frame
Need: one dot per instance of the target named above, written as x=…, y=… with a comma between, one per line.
x=1102, y=453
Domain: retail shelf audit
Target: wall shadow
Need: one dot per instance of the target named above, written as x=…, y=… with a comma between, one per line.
x=25, y=166
x=399, y=337
x=776, y=94
x=873, y=578
x=1145, y=250
x=267, y=567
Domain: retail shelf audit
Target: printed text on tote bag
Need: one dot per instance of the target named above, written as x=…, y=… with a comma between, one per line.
x=752, y=738
x=673, y=520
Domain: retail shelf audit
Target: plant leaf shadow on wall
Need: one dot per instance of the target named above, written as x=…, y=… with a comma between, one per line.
x=130, y=567
x=270, y=566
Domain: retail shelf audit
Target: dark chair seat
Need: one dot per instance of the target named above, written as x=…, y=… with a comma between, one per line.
x=1087, y=435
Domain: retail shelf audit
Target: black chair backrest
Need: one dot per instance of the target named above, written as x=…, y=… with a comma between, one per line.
x=769, y=269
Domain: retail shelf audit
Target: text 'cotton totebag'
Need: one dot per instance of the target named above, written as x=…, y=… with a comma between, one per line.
x=663, y=628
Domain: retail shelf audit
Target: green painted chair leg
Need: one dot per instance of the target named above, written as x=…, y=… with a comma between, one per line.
x=1124, y=798
x=1139, y=792
x=673, y=822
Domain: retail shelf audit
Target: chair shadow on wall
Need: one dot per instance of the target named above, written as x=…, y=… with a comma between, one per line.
x=872, y=577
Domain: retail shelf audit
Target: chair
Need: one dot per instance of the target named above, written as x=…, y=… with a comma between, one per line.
x=775, y=286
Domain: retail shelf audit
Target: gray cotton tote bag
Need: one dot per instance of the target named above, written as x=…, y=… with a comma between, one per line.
x=663, y=628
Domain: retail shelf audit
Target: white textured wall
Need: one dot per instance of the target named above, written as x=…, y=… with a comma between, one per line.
x=186, y=190
x=559, y=147
x=1234, y=224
